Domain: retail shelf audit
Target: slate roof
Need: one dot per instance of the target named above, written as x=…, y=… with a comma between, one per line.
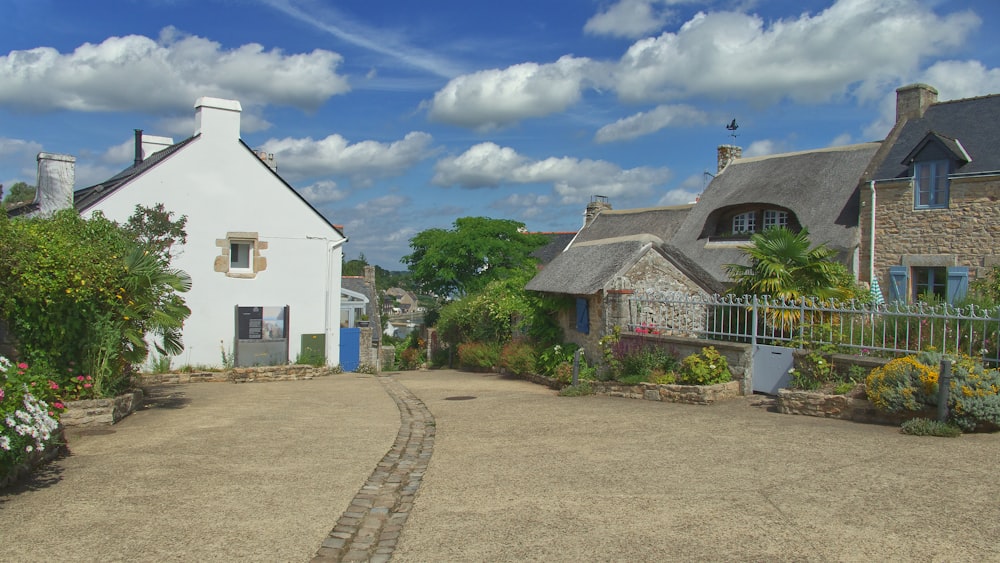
x=820, y=187
x=357, y=284
x=972, y=122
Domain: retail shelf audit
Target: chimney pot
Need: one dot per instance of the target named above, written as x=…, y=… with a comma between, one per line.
x=216, y=118
x=597, y=204
x=56, y=174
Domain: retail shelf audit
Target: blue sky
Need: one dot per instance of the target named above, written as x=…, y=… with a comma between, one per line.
x=392, y=117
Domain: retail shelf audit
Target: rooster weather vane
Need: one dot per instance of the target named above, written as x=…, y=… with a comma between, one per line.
x=732, y=127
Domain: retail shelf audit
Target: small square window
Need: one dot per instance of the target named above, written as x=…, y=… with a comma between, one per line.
x=240, y=256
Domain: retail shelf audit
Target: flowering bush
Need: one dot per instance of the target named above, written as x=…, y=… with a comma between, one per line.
x=518, y=357
x=550, y=359
x=26, y=423
x=707, y=368
x=479, y=356
x=904, y=384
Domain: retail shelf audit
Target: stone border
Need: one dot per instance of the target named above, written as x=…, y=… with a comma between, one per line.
x=289, y=372
x=100, y=411
x=686, y=394
x=370, y=528
x=842, y=407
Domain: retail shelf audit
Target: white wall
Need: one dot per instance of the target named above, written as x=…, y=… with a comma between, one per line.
x=223, y=187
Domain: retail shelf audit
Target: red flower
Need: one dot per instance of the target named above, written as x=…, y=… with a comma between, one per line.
x=87, y=386
x=80, y=378
x=22, y=365
x=53, y=385
x=58, y=405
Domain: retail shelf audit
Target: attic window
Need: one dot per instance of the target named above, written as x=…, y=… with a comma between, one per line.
x=931, y=184
x=745, y=223
x=774, y=218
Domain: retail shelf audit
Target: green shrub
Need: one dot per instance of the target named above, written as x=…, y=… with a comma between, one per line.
x=439, y=358
x=518, y=357
x=409, y=358
x=578, y=390
x=903, y=384
x=706, y=368
x=551, y=358
x=478, y=355
x=974, y=397
x=927, y=427
x=814, y=370
x=311, y=357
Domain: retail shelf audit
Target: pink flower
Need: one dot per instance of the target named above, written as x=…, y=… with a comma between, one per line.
x=58, y=405
x=87, y=386
x=80, y=378
x=1, y=394
x=53, y=385
x=89, y=378
x=22, y=365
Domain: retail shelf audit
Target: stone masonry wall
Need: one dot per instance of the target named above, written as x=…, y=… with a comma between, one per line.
x=965, y=234
x=841, y=407
x=240, y=375
x=100, y=411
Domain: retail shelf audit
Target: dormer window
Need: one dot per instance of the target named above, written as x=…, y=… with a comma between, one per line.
x=774, y=218
x=931, y=184
x=745, y=222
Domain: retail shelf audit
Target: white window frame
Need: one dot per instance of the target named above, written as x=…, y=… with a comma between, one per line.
x=774, y=218
x=243, y=244
x=745, y=223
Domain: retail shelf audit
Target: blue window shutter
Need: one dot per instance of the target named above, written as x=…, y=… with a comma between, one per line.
x=582, y=315
x=898, y=283
x=958, y=283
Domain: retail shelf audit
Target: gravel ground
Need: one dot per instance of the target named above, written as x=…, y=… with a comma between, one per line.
x=520, y=474
x=262, y=471
x=209, y=472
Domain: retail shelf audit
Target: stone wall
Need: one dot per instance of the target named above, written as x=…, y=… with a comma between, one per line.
x=689, y=394
x=966, y=233
x=291, y=372
x=101, y=411
x=841, y=407
x=655, y=275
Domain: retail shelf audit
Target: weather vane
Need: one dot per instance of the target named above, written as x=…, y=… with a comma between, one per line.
x=732, y=127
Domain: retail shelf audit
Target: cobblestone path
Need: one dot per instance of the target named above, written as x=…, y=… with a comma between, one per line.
x=370, y=528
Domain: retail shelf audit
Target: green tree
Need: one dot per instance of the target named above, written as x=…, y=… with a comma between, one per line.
x=155, y=229
x=20, y=192
x=355, y=267
x=463, y=260
x=782, y=266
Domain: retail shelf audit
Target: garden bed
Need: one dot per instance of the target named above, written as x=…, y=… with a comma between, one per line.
x=94, y=412
x=688, y=394
x=37, y=458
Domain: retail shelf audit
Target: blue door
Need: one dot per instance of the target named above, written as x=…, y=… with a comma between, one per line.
x=350, y=348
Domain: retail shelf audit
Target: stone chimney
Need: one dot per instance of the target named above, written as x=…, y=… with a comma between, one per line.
x=370, y=276
x=217, y=119
x=597, y=204
x=727, y=154
x=913, y=100
x=56, y=174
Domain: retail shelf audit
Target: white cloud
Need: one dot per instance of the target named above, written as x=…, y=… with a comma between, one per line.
x=628, y=18
x=324, y=191
x=644, y=123
x=813, y=58
x=764, y=147
x=362, y=161
x=524, y=206
x=498, y=97
x=136, y=73
x=687, y=192
x=379, y=229
x=841, y=140
x=20, y=155
x=574, y=180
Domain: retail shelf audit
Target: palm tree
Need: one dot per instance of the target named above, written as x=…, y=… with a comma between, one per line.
x=153, y=306
x=784, y=268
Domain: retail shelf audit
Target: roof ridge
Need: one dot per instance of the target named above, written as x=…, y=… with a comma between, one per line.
x=840, y=148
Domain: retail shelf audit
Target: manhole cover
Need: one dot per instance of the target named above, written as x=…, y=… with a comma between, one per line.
x=459, y=398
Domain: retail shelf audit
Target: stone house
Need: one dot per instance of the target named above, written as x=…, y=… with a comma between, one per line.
x=264, y=264
x=930, y=212
x=360, y=312
x=681, y=251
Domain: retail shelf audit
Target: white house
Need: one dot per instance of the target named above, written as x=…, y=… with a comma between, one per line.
x=265, y=265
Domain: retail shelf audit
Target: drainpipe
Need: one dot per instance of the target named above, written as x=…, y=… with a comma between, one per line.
x=871, y=241
x=328, y=298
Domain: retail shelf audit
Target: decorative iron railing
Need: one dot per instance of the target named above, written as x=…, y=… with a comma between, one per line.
x=862, y=328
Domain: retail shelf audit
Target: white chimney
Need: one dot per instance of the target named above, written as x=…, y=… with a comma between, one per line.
x=56, y=174
x=215, y=118
x=152, y=144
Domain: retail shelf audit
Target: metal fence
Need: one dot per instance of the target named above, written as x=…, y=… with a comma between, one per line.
x=861, y=328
